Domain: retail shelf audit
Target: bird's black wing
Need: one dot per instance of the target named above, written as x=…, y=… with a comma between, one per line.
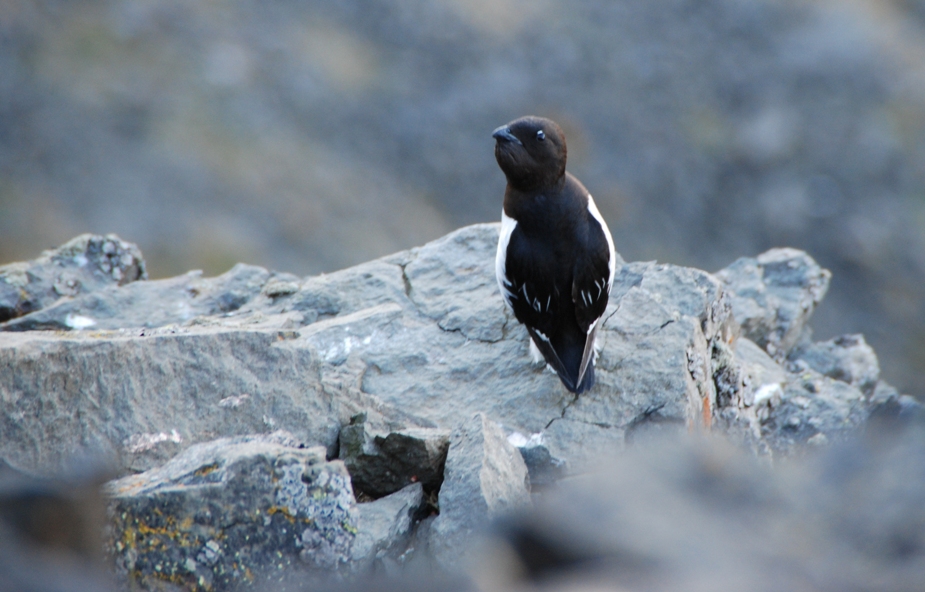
x=531, y=290
x=535, y=295
x=591, y=286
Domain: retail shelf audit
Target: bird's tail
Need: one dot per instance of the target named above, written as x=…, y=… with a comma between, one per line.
x=567, y=355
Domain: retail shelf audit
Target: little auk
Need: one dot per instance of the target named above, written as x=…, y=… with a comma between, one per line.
x=555, y=260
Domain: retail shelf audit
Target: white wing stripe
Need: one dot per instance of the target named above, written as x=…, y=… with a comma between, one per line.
x=612, y=262
x=508, y=225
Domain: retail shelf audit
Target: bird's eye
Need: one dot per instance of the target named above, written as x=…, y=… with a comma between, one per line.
x=541, y=135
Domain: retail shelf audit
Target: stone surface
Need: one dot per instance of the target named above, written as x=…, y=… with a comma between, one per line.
x=774, y=295
x=402, y=362
x=419, y=339
x=230, y=513
x=847, y=358
x=813, y=409
x=82, y=265
x=139, y=397
x=154, y=303
x=51, y=532
x=383, y=463
x=701, y=515
x=485, y=478
x=544, y=468
x=384, y=527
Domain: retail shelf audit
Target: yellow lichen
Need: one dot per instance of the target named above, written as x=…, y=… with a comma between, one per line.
x=203, y=471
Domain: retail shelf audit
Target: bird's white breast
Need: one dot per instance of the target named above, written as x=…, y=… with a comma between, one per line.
x=508, y=225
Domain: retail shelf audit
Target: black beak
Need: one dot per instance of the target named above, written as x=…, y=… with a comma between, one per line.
x=503, y=133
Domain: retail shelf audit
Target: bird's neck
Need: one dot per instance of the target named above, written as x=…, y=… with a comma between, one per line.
x=535, y=206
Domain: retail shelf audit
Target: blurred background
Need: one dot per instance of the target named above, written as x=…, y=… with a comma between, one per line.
x=309, y=136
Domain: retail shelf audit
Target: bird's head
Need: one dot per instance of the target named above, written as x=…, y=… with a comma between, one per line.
x=531, y=151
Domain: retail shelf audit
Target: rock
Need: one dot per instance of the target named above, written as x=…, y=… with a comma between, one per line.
x=762, y=370
x=774, y=295
x=82, y=265
x=654, y=371
x=813, y=409
x=153, y=303
x=397, y=364
x=231, y=513
x=485, y=478
x=749, y=387
x=419, y=339
x=544, y=468
x=383, y=463
x=698, y=514
x=139, y=397
x=384, y=526
x=847, y=358
x=50, y=532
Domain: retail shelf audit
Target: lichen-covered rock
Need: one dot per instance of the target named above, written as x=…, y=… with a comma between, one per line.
x=774, y=295
x=82, y=265
x=232, y=512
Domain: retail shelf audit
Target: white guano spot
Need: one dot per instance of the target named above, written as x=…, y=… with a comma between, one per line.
x=144, y=442
x=767, y=391
x=76, y=321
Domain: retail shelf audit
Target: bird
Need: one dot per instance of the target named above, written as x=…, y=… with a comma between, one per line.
x=555, y=260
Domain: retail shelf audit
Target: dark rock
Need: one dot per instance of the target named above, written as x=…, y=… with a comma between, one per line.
x=82, y=265
x=774, y=295
x=231, y=513
x=383, y=463
x=485, y=478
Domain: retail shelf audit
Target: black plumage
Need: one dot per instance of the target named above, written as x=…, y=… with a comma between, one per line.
x=555, y=260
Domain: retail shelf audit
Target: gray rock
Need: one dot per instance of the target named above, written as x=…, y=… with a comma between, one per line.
x=383, y=463
x=388, y=358
x=419, y=339
x=774, y=295
x=485, y=478
x=138, y=397
x=154, y=303
x=544, y=468
x=749, y=386
x=702, y=515
x=762, y=370
x=847, y=358
x=51, y=532
x=384, y=526
x=654, y=371
x=813, y=409
x=82, y=265
x=231, y=512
